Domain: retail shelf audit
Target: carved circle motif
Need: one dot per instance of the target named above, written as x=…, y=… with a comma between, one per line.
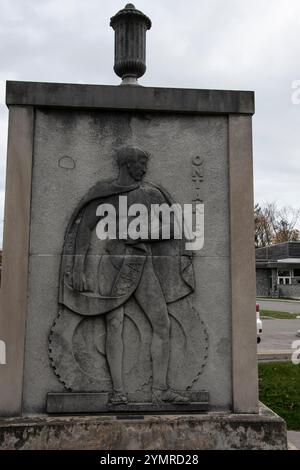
x=66, y=162
x=77, y=350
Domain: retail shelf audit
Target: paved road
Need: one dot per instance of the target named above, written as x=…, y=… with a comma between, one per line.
x=278, y=334
x=280, y=306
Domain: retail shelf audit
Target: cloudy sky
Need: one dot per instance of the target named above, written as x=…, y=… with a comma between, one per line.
x=216, y=44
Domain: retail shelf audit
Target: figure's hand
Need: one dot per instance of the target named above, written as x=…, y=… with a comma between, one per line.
x=79, y=281
x=79, y=278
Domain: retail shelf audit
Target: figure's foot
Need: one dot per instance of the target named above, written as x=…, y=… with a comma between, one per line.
x=118, y=398
x=168, y=396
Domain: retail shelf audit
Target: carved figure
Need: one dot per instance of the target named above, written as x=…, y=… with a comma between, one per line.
x=98, y=278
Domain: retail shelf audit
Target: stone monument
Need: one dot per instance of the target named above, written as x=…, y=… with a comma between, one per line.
x=128, y=320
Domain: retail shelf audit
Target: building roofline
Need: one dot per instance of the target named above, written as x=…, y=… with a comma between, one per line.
x=276, y=244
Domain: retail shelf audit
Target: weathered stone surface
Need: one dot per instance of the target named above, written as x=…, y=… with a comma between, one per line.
x=265, y=431
x=75, y=403
x=78, y=351
x=13, y=293
x=200, y=336
x=62, y=95
x=244, y=351
x=88, y=138
x=187, y=135
x=130, y=26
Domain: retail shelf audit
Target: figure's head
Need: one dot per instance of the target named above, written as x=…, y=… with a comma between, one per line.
x=134, y=160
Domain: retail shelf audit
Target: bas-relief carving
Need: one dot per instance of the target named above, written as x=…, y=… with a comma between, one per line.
x=126, y=323
x=66, y=162
x=197, y=179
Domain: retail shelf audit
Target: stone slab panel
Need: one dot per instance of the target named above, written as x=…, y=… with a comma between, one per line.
x=73, y=150
x=130, y=98
x=206, y=431
x=88, y=141
x=243, y=283
x=211, y=302
x=74, y=403
x=13, y=293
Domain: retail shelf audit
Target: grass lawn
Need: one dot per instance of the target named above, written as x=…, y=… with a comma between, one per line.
x=279, y=389
x=282, y=315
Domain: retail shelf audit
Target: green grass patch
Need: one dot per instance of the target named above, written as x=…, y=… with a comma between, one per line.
x=279, y=389
x=282, y=315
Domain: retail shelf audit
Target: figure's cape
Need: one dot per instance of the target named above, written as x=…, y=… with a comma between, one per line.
x=171, y=263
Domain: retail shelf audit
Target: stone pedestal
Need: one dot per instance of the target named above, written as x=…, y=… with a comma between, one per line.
x=62, y=139
x=218, y=431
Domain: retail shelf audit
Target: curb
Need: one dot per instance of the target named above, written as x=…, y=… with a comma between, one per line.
x=268, y=299
x=275, y=356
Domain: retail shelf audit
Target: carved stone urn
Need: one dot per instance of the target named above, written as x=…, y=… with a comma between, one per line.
x=130, y=26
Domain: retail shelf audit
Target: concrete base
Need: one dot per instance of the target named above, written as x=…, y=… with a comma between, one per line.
x=293, y=440
x=265, y=431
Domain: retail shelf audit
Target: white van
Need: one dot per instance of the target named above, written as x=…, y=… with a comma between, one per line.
x=258, y=324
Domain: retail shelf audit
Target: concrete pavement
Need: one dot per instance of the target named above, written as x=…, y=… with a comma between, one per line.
x=291, y=306
x=278, y=334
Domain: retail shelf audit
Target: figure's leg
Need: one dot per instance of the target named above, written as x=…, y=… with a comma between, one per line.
x=114, y=352
x=150, y=297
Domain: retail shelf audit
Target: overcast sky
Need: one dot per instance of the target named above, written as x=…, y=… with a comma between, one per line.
x=218, y=44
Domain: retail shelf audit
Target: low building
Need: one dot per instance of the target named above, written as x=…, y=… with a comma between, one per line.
x=278, y=270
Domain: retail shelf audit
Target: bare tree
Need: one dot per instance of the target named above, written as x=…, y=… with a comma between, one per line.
x=264, y=219
x=286, y=222
x=274, y=224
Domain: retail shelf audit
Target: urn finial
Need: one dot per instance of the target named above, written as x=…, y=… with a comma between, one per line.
x=130, y=26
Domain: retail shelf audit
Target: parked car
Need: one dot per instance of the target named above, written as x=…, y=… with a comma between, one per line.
x=258, y=324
